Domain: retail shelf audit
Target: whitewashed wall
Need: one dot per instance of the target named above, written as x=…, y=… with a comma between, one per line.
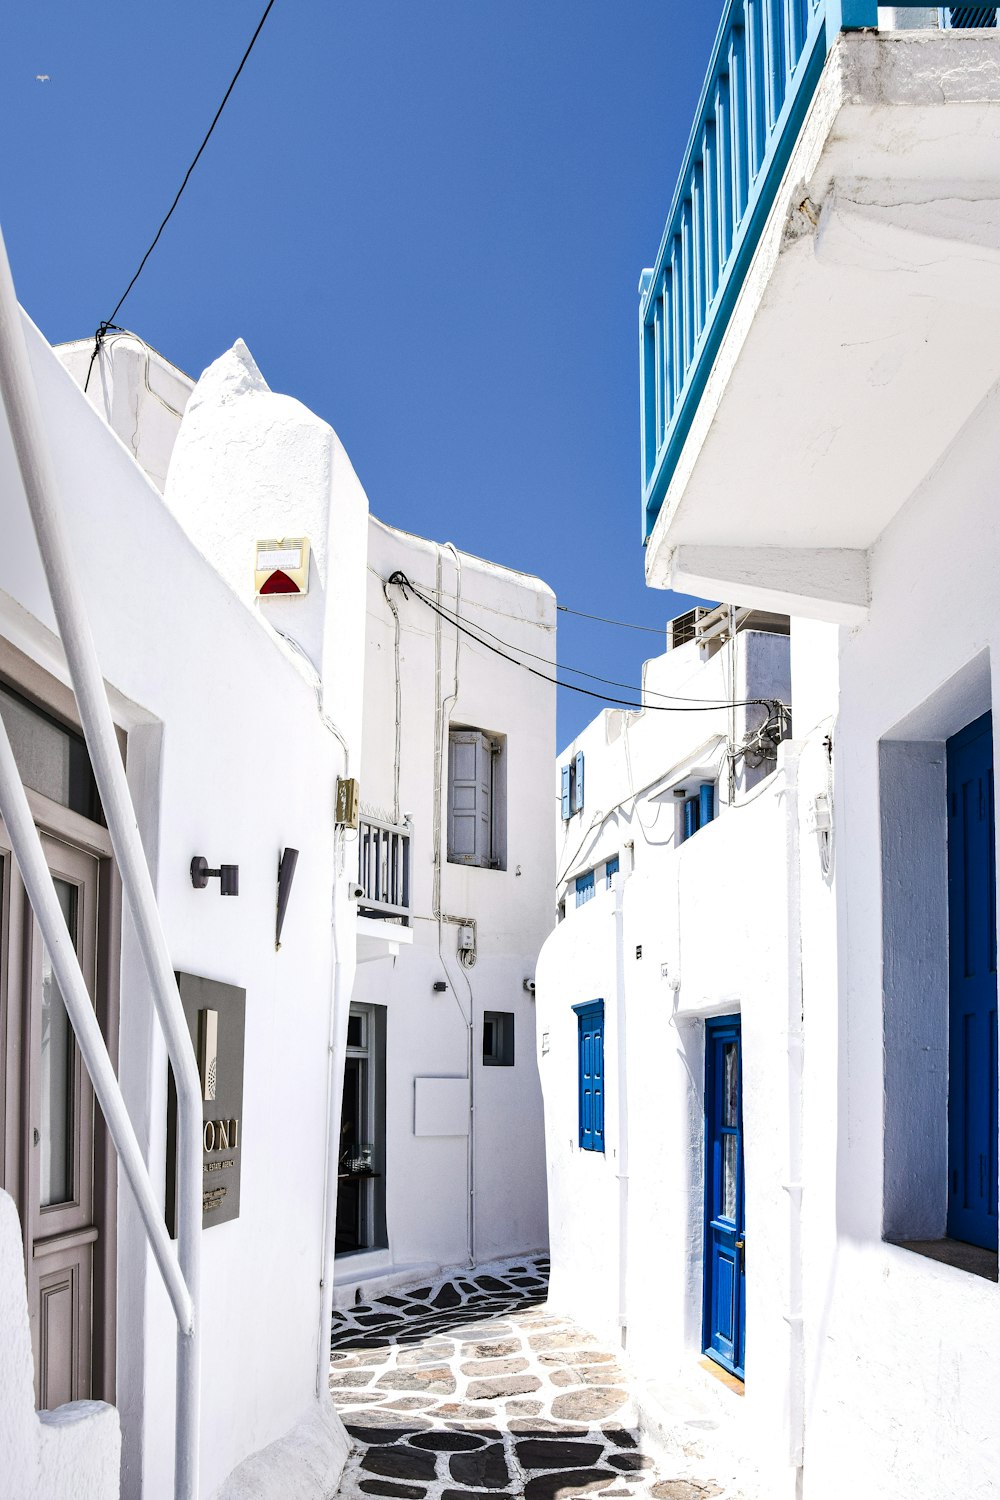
x=684, y=933
x=901, y=1348
x=427, y=1177
x=227, y=757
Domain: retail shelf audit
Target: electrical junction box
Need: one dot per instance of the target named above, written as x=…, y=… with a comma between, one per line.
x=282, y=567
x=348, y=802
x=466, y=938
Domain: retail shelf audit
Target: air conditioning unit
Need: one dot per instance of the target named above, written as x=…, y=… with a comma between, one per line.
x=684, y=627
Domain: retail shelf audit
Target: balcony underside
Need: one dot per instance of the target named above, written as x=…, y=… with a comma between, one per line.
x=866, y=335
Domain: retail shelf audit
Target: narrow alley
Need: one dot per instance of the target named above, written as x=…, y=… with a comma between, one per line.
x=469, y=1387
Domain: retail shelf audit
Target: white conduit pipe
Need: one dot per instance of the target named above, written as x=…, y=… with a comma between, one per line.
x=20, y=399
x=28, y=852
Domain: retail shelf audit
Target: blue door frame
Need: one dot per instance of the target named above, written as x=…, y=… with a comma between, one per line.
x=972, y=988
x=724, y=1311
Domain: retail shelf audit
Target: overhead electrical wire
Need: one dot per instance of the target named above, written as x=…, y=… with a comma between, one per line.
x=400, y=579
x=456, y=619
x=109, y=323
x=603, y=620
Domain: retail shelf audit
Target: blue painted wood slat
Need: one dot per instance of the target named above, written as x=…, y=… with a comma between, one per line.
x=763, y=72
x=972, y=1060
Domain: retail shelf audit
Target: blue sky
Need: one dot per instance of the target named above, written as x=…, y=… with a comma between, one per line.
x=427, y=218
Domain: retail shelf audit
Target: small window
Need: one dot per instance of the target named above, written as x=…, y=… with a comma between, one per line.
x=696, y=810
x=477, y=799
x=50, y=758
x=590, y=1057
x=584, y=887
x=610, y=871
x=572, y=787
x=498, y=1039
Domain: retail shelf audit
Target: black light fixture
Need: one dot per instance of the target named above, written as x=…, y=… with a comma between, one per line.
x=286, y=874
x=228, y=876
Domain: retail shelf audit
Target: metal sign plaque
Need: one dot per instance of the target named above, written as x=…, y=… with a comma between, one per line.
x=216, y=1017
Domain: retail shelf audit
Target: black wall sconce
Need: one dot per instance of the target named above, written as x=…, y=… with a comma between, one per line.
x=228, y=876
x=286, y=874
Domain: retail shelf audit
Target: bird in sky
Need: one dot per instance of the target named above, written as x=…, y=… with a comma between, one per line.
x=42, y=78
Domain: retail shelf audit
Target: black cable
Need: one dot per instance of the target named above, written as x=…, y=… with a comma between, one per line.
x=109, y=323
x=400, y=579
x=603, y=620
x=456, y=619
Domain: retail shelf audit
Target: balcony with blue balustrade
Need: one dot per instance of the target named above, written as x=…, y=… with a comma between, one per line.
x=831, y=250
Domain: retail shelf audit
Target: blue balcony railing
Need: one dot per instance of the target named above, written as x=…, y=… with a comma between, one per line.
x=765, y=66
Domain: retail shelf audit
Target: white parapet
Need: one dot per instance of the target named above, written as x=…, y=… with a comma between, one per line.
x=72, y=1453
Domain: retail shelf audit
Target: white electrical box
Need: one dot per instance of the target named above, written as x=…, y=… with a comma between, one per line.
x=440, y=1106
x=466, y=938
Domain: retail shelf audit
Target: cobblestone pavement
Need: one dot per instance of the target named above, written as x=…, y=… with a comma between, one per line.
x=469, y=1389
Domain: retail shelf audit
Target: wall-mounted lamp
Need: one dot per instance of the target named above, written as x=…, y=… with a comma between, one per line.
x=228, y=876
x=286, y=874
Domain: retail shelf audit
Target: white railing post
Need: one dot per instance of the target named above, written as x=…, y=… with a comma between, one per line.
x=20, y=399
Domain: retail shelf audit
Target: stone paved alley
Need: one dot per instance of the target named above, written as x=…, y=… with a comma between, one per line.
x=470, y=1389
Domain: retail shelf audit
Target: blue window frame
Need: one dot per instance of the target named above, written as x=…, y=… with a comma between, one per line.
x=571, y=787
x=590, y=1055
x=610, y=870
x=697, y=810
x=584, y=887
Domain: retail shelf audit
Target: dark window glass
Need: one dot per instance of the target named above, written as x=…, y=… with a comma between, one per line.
x=52, y=759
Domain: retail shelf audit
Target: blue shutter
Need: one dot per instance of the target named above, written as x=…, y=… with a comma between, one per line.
x=972, y=989
x=584, y=887
x=590, y=1040
x=611, y=870
x=690, y=817
x=566, y=809
x=578, y=786
x=967, y=17
x=706, y=803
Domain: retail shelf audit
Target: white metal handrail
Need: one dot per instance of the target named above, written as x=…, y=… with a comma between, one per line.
x=20, y=398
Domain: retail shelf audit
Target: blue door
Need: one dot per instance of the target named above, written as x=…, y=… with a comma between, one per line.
x=972, y=962
x=725, y=1271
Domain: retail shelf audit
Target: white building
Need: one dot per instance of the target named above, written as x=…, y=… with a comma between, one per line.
x=672, y=869
x=819, y=426
x=242, y=722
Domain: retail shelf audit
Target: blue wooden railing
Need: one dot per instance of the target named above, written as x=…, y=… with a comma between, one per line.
x=765, y=66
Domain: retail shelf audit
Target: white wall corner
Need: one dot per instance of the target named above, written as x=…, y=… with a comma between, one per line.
x=818, y=583
x=305, y=1464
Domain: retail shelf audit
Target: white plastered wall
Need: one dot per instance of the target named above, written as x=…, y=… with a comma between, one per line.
x=900, y=1380
x=426, y=1032
x=227, y=757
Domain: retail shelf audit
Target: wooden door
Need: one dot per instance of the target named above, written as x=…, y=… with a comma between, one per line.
x=972, y=962
x=48, y=1156
x=725, y=1232
x=61, y=1223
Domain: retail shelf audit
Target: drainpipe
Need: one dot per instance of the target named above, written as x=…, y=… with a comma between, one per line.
x=793, y=1183
x=344, y=966
x=20, y=399
x=621, y=879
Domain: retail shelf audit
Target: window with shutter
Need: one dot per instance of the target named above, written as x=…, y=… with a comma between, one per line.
x=476, y=798
x=590, y=1038
x=611, y=870
x=584, y=887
